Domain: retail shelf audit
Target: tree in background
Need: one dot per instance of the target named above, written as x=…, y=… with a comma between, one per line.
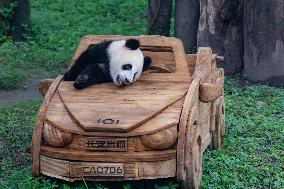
x=221, y=28
x=264, y=41
x=249, y=34
x=159, y=17
x=15, y=19
x=186, y=22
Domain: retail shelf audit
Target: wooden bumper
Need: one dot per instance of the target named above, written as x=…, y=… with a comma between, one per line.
x=101, y=171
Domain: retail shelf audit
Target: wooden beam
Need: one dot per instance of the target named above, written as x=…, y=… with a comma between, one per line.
x=210, y=92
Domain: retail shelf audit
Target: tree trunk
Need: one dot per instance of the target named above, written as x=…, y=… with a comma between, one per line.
x=221, y=28
x=159, y=17
x=16, y=21
x=187, y=14
x=5, y=19
x=264, y=41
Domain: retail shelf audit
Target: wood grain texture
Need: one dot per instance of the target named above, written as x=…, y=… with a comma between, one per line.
x=58, y=116
x=37, y=134
x=210, y=92
x=162, y=140
x=56, y=138
x=166, y=58
x=161, y=169
x=107, y=156
x=54, y=167
x=204, y=113
x=191, y=97
x=122, y=109
x=43, y=85
x=219, y=130
x=193, y=151
x=203, y=63
x=72, y=170
x=192, y=133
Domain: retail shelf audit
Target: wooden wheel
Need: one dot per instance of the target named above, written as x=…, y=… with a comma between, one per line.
x=193, y=153
x=219, y=123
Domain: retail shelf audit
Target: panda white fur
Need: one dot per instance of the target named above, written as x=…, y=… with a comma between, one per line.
x=117, y=61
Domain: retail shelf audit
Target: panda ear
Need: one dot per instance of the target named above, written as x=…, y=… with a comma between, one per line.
x=147, y=63
x=132, y=44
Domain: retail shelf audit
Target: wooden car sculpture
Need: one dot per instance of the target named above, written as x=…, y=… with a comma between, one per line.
x=157, y=127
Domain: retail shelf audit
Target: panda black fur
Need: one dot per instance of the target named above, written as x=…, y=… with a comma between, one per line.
x=117, y=61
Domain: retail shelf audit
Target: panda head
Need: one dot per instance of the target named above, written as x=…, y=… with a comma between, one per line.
x=126, y=61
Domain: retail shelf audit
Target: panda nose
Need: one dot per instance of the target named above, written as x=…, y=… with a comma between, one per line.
x=127, y=81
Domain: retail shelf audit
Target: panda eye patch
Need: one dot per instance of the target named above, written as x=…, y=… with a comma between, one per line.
x=127, y=67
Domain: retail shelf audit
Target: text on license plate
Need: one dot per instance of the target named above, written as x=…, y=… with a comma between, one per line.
x=103, y=169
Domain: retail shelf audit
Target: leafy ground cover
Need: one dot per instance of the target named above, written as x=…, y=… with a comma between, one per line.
x=252, y=156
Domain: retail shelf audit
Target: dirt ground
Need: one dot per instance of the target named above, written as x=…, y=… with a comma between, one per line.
x=30, y=92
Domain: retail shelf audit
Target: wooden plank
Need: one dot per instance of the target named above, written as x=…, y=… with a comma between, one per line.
x=205, y=112
x=203, y=63
x=72, y=171
x=107, y=156
x=166, y=58
x=129, y=170
x=161, y=169
x=191, y=135
x=54, y=167
x=37, y=134
x=58, y=116
x=210, y=92
x=215, y=74
x=191, y=59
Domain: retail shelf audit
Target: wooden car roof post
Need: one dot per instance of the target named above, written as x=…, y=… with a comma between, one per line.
x=170, y=115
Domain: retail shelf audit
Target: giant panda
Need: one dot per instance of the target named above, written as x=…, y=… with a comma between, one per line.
x=117, y=61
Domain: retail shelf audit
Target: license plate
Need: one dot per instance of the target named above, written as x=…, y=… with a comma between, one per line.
x=103, y=169
x=106, y=144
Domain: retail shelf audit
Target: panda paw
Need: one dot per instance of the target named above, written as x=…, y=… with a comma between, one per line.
x=81, y=82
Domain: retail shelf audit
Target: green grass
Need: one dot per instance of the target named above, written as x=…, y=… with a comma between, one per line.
x=58, y=26
x=252, y=156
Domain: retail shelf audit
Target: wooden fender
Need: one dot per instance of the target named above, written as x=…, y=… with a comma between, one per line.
x=161, y=140
x=37, y=134
x=56, y=138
